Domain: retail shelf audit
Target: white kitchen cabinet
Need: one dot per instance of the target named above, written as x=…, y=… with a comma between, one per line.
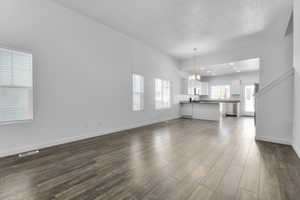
x=201, y=87
x=191, y=86
x=236, y=87
x=184, y=86
x=186, y=110
x=206, y=111
x=204, y=88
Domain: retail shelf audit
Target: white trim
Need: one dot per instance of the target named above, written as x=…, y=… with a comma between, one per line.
x=3, y=123
x=15, y=86
x=10, y=48
x=15, y=151
x=273, y=140
x=18, y=150
x=297, y=150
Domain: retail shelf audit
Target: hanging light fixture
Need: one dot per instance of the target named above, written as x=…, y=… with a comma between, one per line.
x=195, y=76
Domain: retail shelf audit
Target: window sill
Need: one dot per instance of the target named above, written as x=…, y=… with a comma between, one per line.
x=15, y=86
x=138, y=110
x=158, y=109
x=16, y=122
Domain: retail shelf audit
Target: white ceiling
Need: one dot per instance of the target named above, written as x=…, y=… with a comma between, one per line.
x=177, y=26
x=248, y=65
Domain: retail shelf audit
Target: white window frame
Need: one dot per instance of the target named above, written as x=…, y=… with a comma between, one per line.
x=12, y=84
x=137, y=91
x=224, y=91
x=162, y=94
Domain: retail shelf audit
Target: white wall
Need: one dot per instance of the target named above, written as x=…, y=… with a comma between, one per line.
x=275, y=111
x=296, y=141
x=82, y=76
x=247, y=78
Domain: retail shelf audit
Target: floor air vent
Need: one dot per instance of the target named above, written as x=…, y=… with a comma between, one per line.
x=29, y=153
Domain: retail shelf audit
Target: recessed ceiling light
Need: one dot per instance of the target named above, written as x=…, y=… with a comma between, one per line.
x=238, y=70
x=231, y=64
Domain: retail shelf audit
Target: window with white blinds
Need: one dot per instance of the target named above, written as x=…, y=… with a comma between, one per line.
x=15, y=86
x=220, y=91
x=162, y=94
x=137, y=92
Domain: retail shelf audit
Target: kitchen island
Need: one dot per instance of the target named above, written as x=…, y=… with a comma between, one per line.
x=208, y=109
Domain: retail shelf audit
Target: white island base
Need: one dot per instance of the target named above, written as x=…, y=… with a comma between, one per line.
x=200, y=110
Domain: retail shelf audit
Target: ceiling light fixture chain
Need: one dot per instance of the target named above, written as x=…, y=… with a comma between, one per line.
x=195, y=76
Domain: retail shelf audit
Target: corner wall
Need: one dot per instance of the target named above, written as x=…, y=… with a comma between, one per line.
x=82, y=76
x=275, y=108
x=296, y=139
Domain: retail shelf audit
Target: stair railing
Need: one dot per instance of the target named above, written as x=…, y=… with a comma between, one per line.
x=276, y=82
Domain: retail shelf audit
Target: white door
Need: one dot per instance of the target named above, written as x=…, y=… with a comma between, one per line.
x=249, y=103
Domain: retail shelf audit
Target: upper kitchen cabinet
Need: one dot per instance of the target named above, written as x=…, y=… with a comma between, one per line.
x=236, y=87
x=204, y=89
x=184, y=86
x=191, y=87
x=197, y=87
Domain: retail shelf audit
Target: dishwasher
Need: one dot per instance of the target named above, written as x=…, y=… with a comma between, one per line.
x=231, y=109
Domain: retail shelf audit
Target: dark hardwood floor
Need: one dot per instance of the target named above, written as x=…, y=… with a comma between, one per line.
x=178, y=160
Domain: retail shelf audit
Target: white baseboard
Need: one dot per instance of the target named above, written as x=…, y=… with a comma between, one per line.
x=297, y=150
x=15, y=151
x=280, y=141
x=273, y=140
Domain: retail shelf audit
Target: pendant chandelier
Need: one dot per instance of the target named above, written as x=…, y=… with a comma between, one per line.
x=195, y=76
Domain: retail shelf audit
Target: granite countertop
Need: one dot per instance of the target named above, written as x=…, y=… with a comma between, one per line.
x=204, y=102
x=213, y=101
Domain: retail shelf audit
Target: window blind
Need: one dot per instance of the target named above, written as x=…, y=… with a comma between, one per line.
x=137, y=92
x=15, y=86
x=162, y=94
x=220, y=91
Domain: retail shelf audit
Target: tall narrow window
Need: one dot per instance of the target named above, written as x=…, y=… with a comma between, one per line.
x=137, y=92
x=220, y=91
x=162, y=94
x=15, y=86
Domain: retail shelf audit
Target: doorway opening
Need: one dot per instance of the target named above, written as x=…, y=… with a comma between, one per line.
x=249, y=100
